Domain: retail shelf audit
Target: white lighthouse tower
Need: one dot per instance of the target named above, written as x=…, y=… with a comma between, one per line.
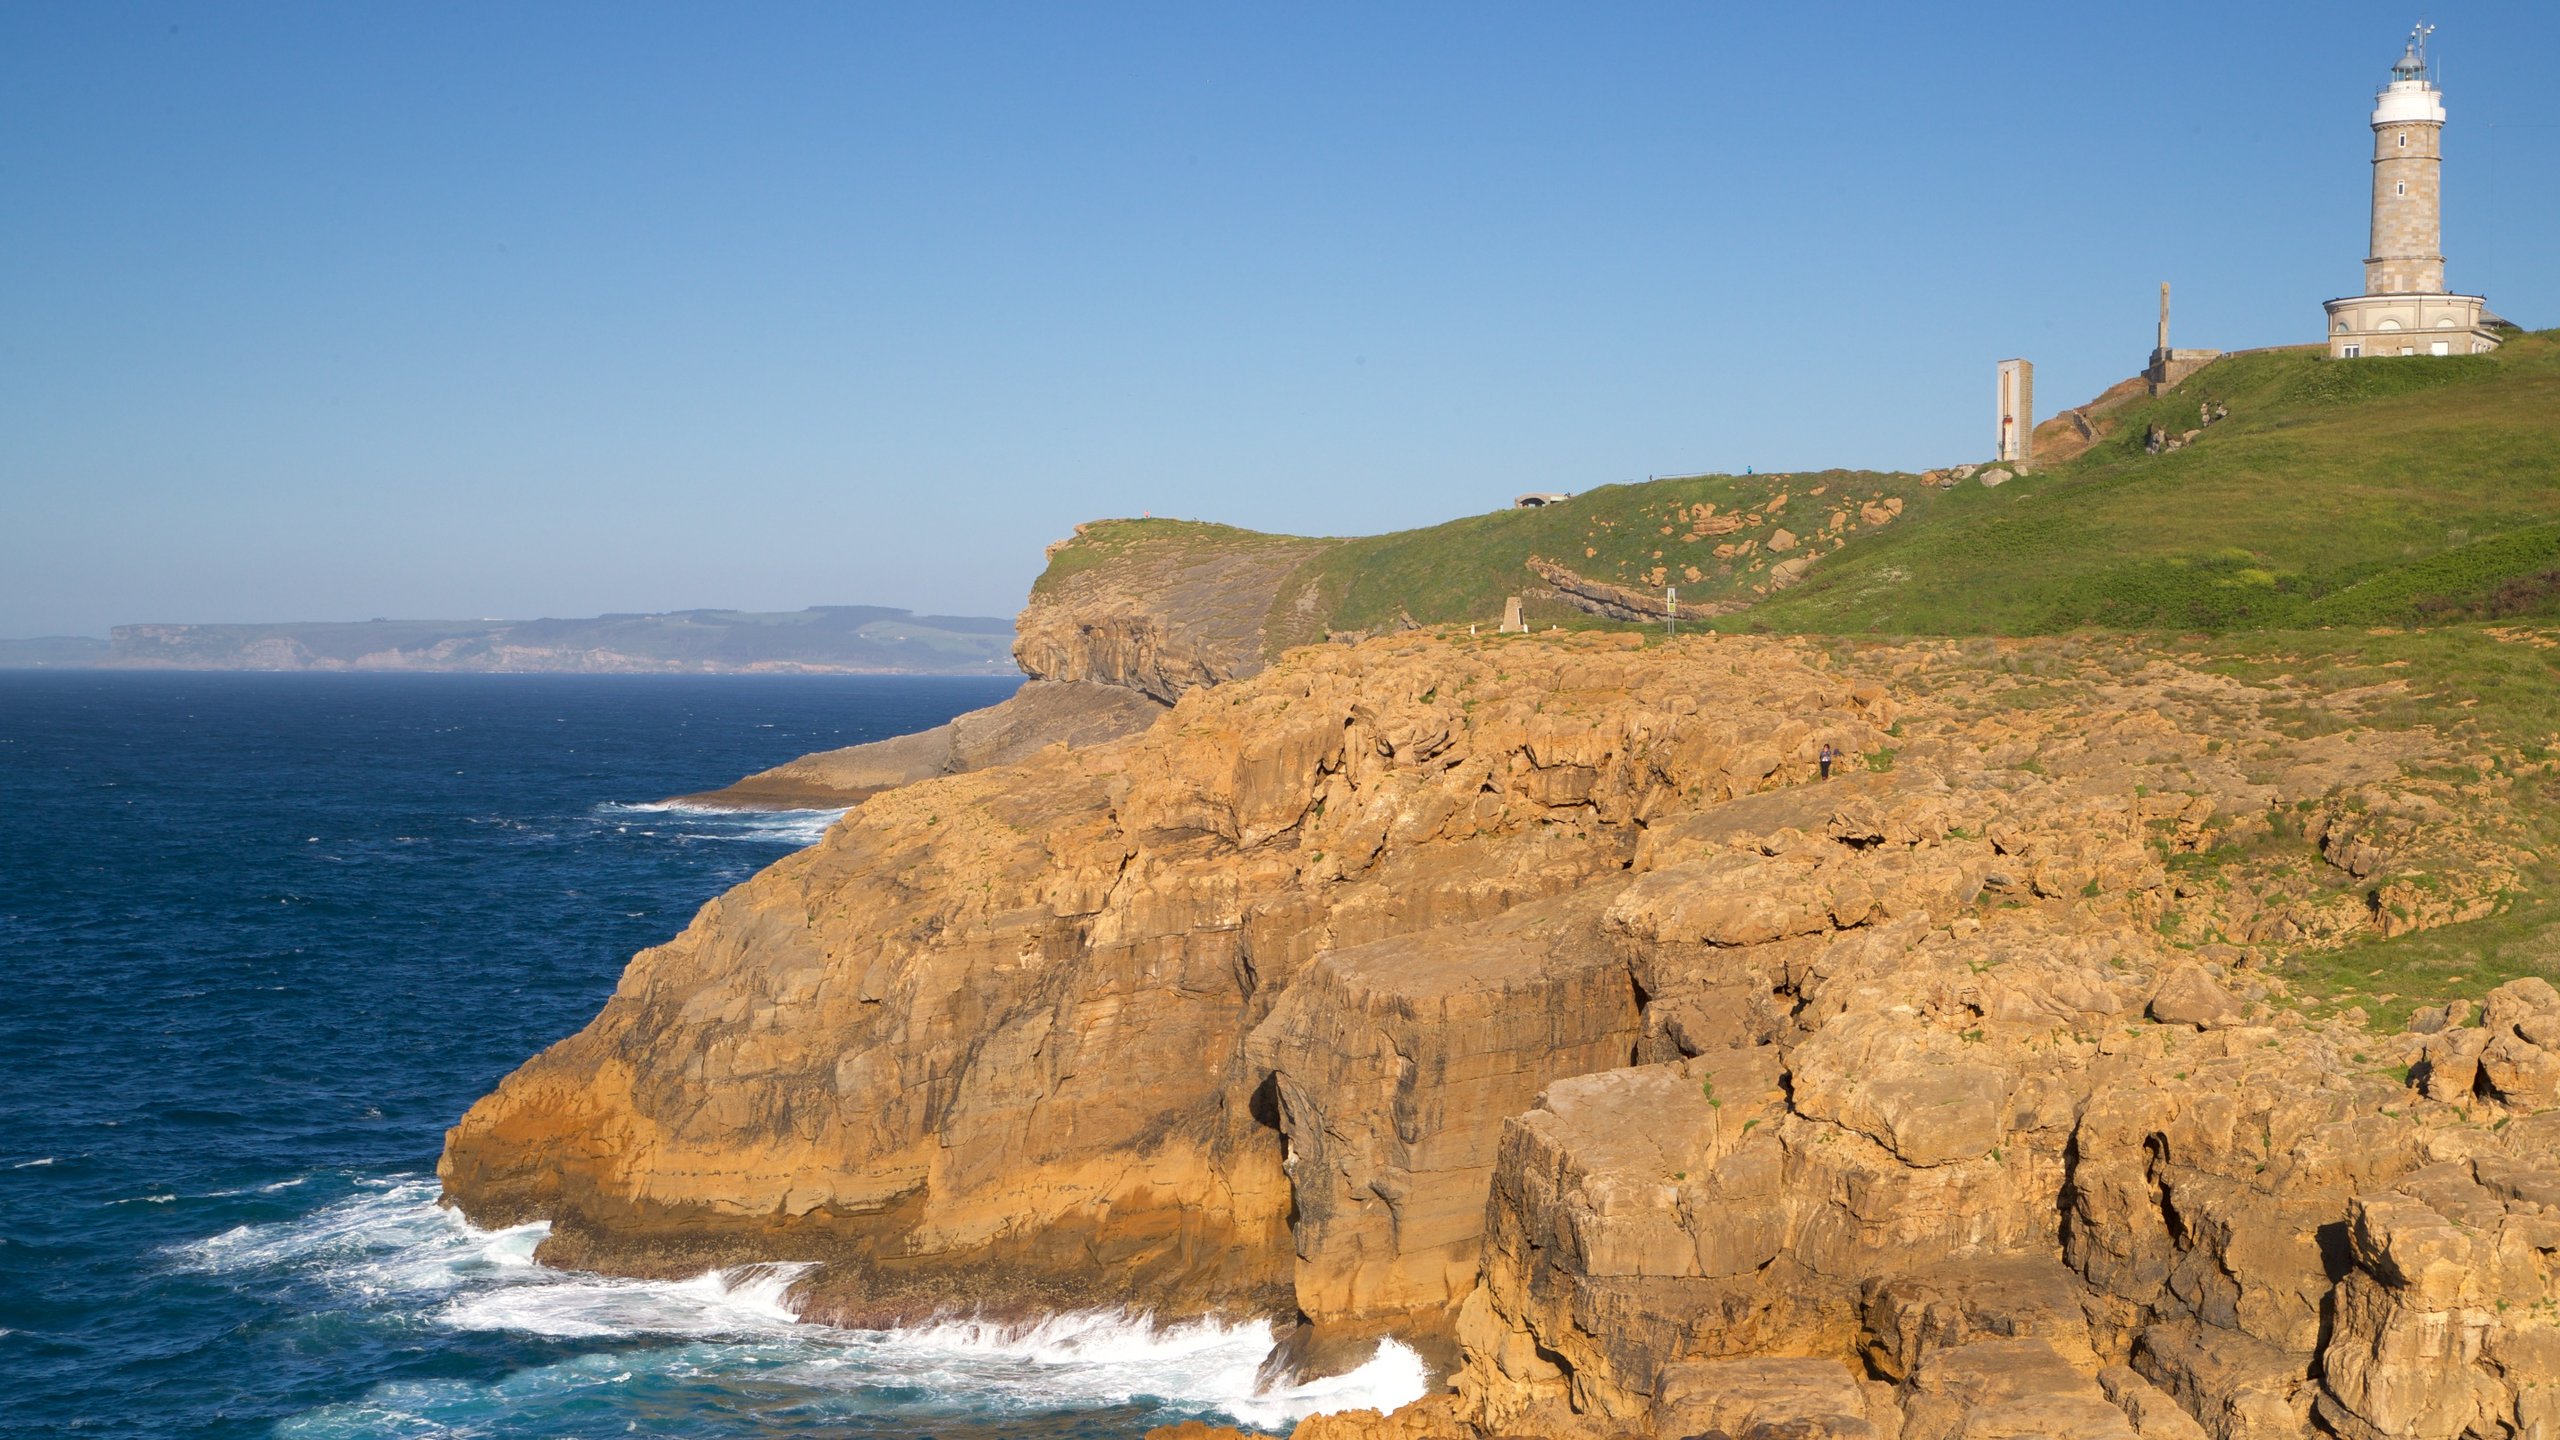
x=2405, y=309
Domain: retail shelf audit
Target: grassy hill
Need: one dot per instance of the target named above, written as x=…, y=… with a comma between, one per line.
x=2333, y=493
x=1708, y=535
x=2378, y=491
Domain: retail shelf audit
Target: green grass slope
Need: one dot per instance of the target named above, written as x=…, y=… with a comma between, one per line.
x=1642, y=537
x=2359, y=492
x=2335, y=493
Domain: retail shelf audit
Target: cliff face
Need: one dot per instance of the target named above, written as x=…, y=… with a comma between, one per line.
x=1534, y=998
x=1157, y=607
x=1040, y=714
x=1137, y=613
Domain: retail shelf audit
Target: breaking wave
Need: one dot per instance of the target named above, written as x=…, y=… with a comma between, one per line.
x=392, y=1252
x=675, y=820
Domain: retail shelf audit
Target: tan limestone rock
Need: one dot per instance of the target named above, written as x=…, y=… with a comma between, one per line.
x=2008, y=1390
x=2154, y=1415
x=1394, y=1064
x=1912, y=1316
x=1158, y=612
x=2235, y=1387
x=2447, y=1325
x=2190, y=996
x=1436, y=1417
x=1040, y=714
x=1543, y=975
x=1774, y=1396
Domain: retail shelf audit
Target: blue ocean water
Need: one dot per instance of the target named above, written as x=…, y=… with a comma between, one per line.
x=263, y=937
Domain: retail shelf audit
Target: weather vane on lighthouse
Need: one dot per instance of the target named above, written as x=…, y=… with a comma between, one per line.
x=2413, y=60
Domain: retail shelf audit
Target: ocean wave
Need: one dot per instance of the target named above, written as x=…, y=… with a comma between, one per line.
x=398, y=1255
x=389, y=1239
x=745, y=1300
x=1116, y=1357
x=676, y=820
x=268, y=1189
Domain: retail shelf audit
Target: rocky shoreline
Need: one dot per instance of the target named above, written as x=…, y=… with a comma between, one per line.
x=1535, y=1000
x=1042, y=713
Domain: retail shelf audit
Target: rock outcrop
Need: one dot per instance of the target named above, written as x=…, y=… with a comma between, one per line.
x=1617, y=602
x=1143, y=611
x=1159, y=607
x=1040, y=714
x=1532, y=998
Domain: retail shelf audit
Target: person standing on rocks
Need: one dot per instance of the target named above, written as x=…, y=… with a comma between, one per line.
x=1826, y=759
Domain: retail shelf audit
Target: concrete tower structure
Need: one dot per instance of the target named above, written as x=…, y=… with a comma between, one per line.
x=2405, y=309
x=2016, y=403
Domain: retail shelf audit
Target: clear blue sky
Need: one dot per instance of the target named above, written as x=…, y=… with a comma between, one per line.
x=338, y=311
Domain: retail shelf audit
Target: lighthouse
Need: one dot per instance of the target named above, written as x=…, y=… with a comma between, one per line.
x=2405, y=308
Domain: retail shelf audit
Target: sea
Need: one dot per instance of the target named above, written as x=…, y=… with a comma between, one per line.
x=263, y=937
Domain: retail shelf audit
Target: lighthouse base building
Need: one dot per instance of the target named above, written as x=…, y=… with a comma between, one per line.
x=2409, y=325
x=2406, y=309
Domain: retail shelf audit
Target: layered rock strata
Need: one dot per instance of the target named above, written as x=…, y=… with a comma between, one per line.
x=1533, y=998
x=1040, y=714
x=1159, y=613
x=1108, y=643
x=1617, y=602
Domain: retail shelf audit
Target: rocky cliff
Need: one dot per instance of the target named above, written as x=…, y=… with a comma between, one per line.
x=1535, y=999
x=1161, y=606
x=1040, y=714
x=1137, y=613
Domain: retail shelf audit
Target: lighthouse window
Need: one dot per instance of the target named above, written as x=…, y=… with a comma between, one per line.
x=2400, y=189
x=2404, y=142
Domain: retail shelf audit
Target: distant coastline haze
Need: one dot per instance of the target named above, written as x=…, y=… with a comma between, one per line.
x=329, y=313
x=824, y=640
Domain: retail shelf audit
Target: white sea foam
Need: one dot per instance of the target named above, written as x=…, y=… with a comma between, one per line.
x=1113, y=1357
x=666, y=807
x=389, y=1238
x=676, y=820
x=236, y=1190
x=748, y=1300
x=391, y=1249
x=31, y=1164
x=1394, y=1376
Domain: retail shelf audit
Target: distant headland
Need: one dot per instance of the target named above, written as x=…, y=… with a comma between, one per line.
x=823, y=639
